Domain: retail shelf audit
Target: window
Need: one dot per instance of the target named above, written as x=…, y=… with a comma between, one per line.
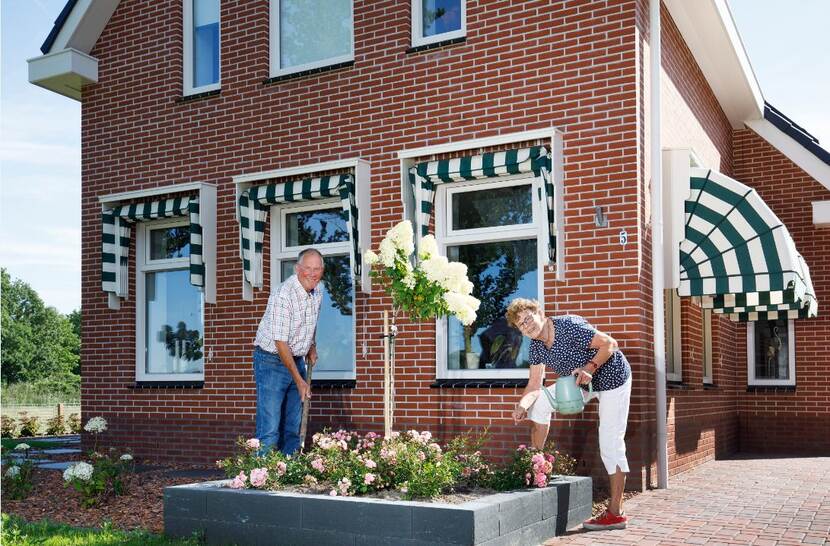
x=674, y=353
x=771, y=352
x=322, y=225
x=706, y=315
x=201, y=46
x=169, y=309
x=304, y=35
x=492, y=226
x=438, y=20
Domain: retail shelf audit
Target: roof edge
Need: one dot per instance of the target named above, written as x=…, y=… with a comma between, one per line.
x=58, y=25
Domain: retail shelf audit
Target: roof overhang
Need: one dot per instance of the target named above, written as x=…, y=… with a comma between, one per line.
x=64, y=72
x=709, y=31
x=66, y=66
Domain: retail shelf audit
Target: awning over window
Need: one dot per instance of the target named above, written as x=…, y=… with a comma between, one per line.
x=738, y=256
x=253, y=212
x=424, y=177
x=116, y=226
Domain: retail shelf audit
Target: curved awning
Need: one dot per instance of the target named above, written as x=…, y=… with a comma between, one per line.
x=738, y=256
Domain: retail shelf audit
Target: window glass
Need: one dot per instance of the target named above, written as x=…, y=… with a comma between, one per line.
x=312, y=227
x=440, y=16
x=205, y=42
x=310, y=32
x=335, y=337
x=506, y=206
x=499, y=271
x=170, y=243
x=772, y=349
x=173, y=330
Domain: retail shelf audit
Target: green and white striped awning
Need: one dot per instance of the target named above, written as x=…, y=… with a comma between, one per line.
x=424, y=177
x=253, y=213
x=115, y=239
x=738, y=256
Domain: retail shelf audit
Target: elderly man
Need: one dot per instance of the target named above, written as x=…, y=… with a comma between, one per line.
x=284, y=341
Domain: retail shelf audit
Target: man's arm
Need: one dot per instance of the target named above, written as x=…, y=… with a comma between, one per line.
x=288, y=361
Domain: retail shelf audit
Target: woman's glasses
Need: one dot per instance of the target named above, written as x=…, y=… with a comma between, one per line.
x=525, y=322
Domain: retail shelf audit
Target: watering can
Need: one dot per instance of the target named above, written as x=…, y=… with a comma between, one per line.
x=569, y=397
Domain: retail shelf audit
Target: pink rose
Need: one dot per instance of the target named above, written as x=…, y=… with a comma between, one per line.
x=281, y=468
x=368, y=478
x=370, y=463
x=333, y=493
x=317, y=464
x=239, y=481
x=252, y=444
x=259, y=476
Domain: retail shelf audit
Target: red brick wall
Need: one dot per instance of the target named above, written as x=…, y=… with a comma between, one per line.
x=573, y=68
x=777, y=420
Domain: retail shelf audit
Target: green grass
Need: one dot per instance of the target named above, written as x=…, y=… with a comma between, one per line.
x=17, y=532
x=8, y=443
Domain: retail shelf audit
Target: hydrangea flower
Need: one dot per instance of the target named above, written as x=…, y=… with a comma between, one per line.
x=126, y=457
x=13, y=471
x=22, y=447
x=96, y=425
x=81, y=471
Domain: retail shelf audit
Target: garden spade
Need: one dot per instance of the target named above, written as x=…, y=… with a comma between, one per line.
x=306, y=406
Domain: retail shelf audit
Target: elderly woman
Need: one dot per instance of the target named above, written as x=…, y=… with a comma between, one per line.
x=568, y=345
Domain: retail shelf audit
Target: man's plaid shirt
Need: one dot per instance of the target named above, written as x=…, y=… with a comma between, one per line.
x=291, y=316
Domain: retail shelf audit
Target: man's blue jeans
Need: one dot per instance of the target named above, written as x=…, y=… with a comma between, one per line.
x=278, y=404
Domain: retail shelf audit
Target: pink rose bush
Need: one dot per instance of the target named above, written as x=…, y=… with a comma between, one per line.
x=344, y=463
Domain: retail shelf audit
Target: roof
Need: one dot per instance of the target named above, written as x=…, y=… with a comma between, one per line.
x=796, y=132
x=56, y=28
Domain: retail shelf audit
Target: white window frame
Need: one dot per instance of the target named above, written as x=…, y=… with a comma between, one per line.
x=143, y=266
x=750, y=358
x=418, y=39
x=446, y=237
x=280, y=252
x=187, y=52
x=673, y=336
x=274, y=47
x=708, y=373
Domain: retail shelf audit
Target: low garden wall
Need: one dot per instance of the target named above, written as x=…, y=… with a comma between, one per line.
x=249, y=516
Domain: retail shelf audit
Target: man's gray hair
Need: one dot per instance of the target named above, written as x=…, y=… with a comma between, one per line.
x=310, y=251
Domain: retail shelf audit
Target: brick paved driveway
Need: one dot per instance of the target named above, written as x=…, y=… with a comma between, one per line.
x=738, y=501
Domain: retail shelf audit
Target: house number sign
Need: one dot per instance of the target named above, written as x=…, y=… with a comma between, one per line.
x=623, y=237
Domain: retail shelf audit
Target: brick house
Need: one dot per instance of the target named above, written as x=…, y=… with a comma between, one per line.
x=221, y=137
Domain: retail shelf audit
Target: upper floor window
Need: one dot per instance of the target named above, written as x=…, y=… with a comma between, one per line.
x=201, y=46
x=438, y=20
x=322, y=225
x=169, y=309
x=492, y=226
x=771, y=352
x=308, y=34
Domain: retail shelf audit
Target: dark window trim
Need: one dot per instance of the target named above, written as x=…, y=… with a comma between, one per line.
x=442, y=43
x=676, y=386
x=168, y=385
x=334, y=383
x=771, y=388
x=304, y=73
x=710, y=386
x=199, y=96
x=479, y=383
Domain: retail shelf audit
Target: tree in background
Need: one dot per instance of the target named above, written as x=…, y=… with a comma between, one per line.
x=39, y=343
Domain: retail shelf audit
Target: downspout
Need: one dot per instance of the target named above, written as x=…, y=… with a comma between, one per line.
x=657, y=248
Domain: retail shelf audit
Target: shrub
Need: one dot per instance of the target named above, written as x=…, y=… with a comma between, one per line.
x=17, y=479
x=56, y=426
x=8, y=427
x=29, y=424
x=530, y=468
x=74, y=423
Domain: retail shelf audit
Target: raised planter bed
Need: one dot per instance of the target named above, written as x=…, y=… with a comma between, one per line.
x=228, y=516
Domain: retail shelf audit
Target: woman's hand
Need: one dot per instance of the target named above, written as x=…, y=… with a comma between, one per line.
x=519, y=414
x=582, y=376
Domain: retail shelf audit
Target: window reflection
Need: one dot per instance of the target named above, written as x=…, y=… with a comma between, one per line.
x=170, y=243
x=772, y=349
x=493, y=207
x=174, y=323
x=205, y=42
x=440, y=16
x=310, y=33
x=314, y=227
x=499, y=271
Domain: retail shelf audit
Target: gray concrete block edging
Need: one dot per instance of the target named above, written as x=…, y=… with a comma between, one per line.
x=252, y=517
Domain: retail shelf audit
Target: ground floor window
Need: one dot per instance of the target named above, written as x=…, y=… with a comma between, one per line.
x=771, y=352
x=323, y=225
x=674, y=348
x=169, y=309
x=706, y=315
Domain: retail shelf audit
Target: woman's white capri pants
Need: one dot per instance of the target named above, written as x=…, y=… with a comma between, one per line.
x=613, y=419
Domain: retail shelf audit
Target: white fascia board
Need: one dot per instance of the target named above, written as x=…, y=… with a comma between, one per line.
x=546, y=134
x=794, y=151
x=709, y=31
x=64, y=72
x=821, y=214
x=84, y=25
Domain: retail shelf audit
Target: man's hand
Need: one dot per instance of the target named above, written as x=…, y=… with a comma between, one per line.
x=311, y=357
x=304, y=389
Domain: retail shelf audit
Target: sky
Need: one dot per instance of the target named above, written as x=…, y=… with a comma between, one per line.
x=40, y=157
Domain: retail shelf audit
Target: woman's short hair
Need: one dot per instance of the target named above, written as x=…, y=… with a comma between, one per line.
x=517, y=306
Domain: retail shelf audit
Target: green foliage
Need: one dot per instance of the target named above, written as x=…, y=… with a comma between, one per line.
x=8, y=427
x=105, y=480
x=17, y=532
x=74, y=423
x=531, y=467
x=57, y=389
x=38, y=342
x=17, y=479
x=29, y=424
x=56, y=426
x=9, y=444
